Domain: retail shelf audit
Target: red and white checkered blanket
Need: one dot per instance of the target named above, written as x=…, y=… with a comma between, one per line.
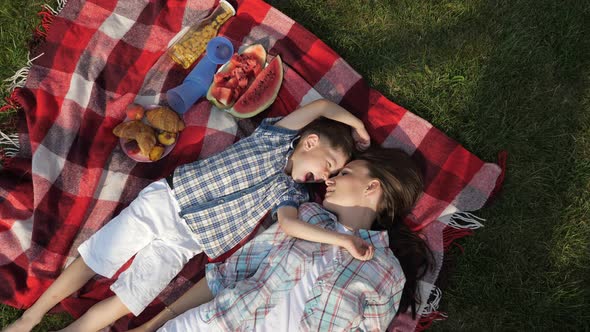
x=71, y=176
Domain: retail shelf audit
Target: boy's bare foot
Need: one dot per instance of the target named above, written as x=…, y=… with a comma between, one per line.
x=23, y=324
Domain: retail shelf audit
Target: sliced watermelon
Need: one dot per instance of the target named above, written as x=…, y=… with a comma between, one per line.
x=257, y=51
x=223, y=95
x=262, y=92
x=237, y=74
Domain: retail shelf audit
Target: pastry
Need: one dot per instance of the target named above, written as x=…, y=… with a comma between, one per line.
x=139, y=131
x=165, y=119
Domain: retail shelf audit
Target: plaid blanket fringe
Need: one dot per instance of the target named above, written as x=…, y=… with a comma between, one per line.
x=9, y=142
x=461, y=224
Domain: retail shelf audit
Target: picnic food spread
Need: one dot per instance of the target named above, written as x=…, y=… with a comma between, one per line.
x=244, y=87
x=194, y=42
x=148, y=135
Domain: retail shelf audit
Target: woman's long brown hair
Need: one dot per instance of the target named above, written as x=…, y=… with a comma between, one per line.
x=401, y=181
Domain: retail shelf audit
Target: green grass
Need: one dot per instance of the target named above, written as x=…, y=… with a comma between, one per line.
x=51, y=322
x=17, y=22
x=494, y=75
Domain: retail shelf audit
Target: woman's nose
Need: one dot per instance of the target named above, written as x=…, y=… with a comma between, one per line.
x=329, y=181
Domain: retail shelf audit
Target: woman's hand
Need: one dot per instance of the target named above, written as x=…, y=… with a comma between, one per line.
x=361, y=137
x=359, y=248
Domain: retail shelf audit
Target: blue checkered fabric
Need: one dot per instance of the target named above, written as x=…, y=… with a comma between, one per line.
x=222, y=198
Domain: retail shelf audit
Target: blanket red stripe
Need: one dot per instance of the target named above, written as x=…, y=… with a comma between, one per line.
x=71, y=175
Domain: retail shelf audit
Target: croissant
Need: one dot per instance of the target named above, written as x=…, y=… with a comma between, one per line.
x=165, y=119
x=146, y=142
x=139, y=131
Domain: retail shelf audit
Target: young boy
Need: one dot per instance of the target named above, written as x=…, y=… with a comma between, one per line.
x=213, y=205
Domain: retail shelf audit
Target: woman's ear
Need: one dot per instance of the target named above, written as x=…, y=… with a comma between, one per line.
x=374, y=186
x=310, y=141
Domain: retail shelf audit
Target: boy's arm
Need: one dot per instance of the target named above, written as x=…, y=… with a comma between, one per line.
x=303, y=116
x=293, y=226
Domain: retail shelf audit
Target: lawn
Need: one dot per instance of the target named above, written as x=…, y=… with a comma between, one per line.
x=493, y=75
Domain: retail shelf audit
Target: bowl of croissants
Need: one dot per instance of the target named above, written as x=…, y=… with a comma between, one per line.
x=148, y=133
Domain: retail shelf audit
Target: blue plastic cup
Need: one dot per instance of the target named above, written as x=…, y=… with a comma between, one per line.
x=195, y=85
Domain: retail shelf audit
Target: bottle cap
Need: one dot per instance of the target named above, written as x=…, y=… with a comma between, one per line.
x=228, y=6
x=219, y=50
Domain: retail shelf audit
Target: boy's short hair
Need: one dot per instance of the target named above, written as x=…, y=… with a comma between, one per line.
x=336, y=134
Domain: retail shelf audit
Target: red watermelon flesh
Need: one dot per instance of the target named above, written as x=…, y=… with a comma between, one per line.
x=236, y=75
x=223, y=95
x=262, y=92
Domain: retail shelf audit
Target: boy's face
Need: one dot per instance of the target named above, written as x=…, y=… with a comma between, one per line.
x=315, y=161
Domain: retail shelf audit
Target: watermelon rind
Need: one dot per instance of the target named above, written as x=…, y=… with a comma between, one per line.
x=225, y=68
x=271, y=91
x=254, y=49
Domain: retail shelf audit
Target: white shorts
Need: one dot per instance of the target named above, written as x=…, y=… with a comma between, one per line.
x=151, y=228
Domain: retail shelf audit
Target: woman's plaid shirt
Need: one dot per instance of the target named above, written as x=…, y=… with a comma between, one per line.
x=349, y=294
x=222, y=198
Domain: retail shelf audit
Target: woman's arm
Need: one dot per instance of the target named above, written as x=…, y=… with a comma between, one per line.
x=293, y=226
x=194, y=297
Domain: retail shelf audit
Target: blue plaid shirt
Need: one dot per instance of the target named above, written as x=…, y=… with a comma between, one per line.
x=349, y=295
x=222, y=198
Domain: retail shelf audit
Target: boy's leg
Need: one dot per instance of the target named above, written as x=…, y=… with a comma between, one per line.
x=69, y=281
x=99, y=316
x=106, y=251
x=156, y=264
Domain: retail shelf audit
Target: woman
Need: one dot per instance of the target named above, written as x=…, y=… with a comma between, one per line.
x=276, y=282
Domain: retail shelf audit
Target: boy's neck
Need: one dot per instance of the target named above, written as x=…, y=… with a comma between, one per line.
x=289, y=165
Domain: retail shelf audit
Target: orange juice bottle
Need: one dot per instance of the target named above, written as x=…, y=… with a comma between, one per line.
x=193, y=43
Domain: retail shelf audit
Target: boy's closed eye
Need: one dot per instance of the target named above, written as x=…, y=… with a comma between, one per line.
x=331, y=167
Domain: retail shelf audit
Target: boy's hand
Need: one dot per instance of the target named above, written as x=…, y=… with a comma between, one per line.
x=359, y=248
x=361, y=138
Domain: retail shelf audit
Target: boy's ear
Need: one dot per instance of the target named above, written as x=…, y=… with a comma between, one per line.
x=310, y=141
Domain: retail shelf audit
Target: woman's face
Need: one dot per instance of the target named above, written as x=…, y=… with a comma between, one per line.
x=347, y=188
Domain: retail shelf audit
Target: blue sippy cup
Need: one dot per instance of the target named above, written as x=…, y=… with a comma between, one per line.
x=195, y=85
